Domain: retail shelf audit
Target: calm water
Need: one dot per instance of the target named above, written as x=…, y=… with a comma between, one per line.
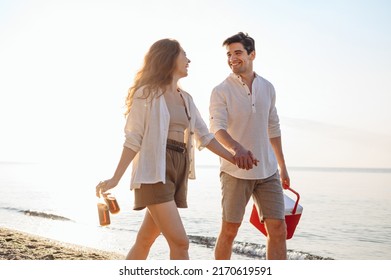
x=346, y=212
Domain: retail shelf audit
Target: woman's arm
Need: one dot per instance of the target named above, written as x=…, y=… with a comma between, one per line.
x=215, y=147
x=126, y=158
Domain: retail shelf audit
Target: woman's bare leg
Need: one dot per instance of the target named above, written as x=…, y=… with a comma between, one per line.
x=146, y=236
x=167, y=219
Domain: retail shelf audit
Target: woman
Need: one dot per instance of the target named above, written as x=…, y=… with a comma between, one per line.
x=162, y=126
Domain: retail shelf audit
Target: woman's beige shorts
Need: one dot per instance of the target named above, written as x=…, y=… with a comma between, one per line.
x=175, y=188
x=267, y=195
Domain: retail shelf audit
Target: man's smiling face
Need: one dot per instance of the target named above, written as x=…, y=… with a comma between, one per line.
x=238, y=60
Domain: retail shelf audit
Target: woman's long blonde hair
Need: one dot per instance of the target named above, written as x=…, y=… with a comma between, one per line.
x=157, y=71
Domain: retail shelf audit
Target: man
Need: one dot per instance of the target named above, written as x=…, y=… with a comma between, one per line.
x=244, y=119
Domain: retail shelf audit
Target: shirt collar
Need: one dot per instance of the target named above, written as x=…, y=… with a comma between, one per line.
x=239, y=78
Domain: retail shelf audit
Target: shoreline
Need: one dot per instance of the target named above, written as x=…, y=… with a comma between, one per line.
x=17, y=245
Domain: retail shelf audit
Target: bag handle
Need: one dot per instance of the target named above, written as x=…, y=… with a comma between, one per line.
x=297, y=200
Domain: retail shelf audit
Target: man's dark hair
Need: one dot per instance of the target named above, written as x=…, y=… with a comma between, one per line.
x=243, y=38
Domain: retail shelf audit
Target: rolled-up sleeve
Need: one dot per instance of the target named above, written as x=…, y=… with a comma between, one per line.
x=135, y=123
x=217, y=111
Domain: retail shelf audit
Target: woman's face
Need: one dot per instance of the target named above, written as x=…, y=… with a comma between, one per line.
x=182, y=63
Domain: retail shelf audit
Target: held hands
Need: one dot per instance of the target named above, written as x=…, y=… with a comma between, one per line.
x=245, y=159
x=104, y=186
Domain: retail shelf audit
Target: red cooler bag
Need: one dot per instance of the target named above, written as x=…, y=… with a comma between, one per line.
x=293, y=213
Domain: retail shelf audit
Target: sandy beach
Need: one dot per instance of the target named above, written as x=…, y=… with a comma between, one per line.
x=16, y=245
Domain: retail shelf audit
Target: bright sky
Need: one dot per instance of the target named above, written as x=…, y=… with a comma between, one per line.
x=65, y=68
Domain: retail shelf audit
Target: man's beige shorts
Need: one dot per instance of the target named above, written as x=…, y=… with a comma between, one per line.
x=267, y=195
x=175, y=188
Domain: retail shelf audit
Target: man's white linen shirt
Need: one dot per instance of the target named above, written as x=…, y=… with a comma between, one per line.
x=250, y=118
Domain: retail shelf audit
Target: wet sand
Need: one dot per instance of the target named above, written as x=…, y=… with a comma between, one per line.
x=16, y=245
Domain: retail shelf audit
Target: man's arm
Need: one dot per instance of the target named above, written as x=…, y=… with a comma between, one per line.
x=277, y=148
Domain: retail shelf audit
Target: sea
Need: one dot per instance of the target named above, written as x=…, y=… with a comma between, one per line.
x=345, y=211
